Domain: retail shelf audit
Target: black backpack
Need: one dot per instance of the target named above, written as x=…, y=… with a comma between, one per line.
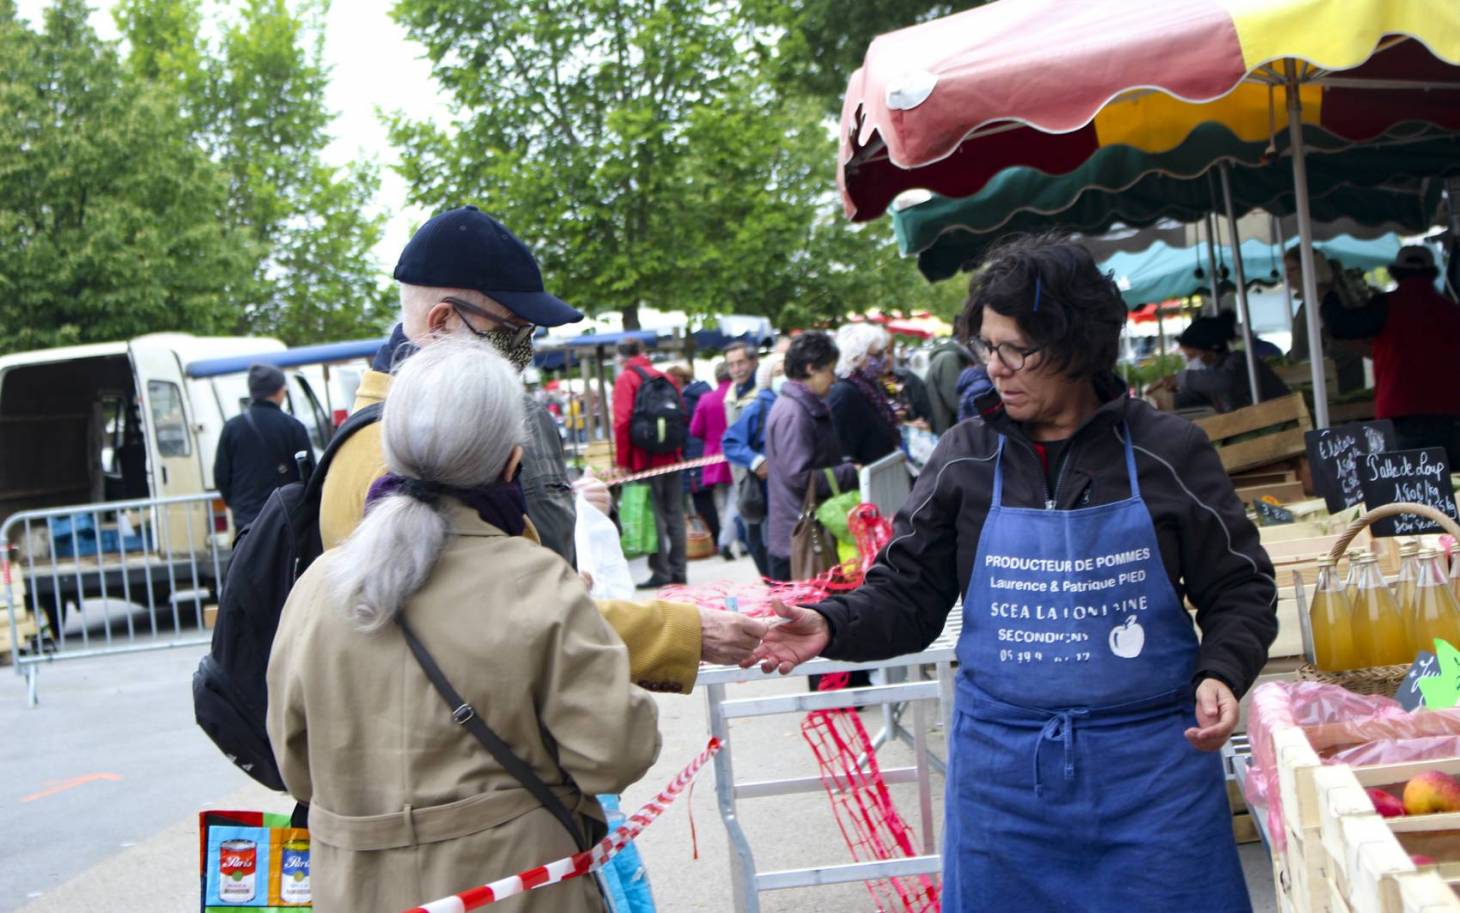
x=658, y=423
x=230, y=688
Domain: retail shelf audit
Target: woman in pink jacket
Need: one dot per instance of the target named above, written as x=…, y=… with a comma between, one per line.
x=708, y=424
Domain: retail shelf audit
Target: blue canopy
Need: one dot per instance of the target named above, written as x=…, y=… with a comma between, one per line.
x=289, y=358
x=1162, y=272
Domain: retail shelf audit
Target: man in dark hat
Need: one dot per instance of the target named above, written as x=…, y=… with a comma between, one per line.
x=256, y=449
x=465, y=274
x=1415, y=333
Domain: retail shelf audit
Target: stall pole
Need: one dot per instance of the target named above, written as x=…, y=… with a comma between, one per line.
x=1305, y=248
x=1213, y=305
x=1277, y=232
x=604, y=404
x=1240, y=270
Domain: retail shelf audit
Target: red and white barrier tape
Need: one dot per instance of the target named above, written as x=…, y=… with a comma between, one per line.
x=578, y=864
x=696, y=463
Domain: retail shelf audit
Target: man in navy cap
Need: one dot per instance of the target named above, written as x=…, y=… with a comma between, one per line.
x=464, y=273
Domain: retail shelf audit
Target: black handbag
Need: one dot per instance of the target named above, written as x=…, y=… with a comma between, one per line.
x=750, y=498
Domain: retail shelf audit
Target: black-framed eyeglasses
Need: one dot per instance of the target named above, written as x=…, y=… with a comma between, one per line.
x=521, y=332
x=1013, y=357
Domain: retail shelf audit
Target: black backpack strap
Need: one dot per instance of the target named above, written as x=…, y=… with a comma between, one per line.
x=357, y=420
x=463, y=715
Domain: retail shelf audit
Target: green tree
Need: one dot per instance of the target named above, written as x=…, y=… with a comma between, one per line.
x=640, y=148
x=821, y=42
x=108, y=213
x=256, y=103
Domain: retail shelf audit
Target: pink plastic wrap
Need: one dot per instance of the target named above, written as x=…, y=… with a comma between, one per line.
x=1341, y=726
x=1398, y=751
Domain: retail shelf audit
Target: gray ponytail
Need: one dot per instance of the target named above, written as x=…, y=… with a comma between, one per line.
x=453, y=416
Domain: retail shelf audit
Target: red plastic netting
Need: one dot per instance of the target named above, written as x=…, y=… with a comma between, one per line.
x=865, y=813
x=869, y=821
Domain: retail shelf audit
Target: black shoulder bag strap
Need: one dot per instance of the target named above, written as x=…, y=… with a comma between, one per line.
x=463, y=715
x=283, y=464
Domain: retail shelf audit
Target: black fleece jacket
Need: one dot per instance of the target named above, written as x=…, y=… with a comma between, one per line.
x=1209, y=547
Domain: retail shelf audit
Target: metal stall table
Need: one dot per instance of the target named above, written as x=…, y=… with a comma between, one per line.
x=917, y=690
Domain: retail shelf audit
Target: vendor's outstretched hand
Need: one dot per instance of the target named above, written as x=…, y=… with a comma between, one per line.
x=1216, y=715
x=800, y=635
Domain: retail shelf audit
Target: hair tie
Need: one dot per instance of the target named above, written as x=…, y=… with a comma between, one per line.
x=423, y=491
x=1036, y=292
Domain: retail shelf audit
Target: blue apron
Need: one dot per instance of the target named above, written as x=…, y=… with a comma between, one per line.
x=1071, y=785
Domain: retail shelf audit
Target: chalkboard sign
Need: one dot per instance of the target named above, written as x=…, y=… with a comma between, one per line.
x=1409, y=696
x=1333, y=459
x=1418, y=476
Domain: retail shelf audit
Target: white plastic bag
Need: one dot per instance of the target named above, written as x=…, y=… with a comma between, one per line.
x=599, y=554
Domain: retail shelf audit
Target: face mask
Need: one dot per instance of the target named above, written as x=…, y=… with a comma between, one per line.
x=520, y=354
x=875, y=365
x=1194, y=363
x=778, y=384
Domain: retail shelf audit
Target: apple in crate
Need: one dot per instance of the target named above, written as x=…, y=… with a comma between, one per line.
x=1386, y=803
x=1432, y=792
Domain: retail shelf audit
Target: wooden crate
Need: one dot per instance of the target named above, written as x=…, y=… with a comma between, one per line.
x=25, y=626
x=1340, y=855
x=1260, y=435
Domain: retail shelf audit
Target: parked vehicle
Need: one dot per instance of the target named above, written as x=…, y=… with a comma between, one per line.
x=106, y=457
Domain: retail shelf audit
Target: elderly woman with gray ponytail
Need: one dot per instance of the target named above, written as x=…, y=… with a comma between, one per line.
x=405, y=805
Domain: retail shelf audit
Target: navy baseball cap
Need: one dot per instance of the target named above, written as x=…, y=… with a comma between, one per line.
x=466, y=248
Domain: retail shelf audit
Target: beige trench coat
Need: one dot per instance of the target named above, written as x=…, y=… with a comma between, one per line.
x=407, y=807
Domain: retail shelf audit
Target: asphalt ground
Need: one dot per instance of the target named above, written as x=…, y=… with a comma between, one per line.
x=101, y=784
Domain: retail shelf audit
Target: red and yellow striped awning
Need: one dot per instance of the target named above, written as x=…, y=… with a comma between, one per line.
x=948, y=104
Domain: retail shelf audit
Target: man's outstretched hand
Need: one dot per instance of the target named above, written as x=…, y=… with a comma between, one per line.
x=800, y=635
x=728, y=638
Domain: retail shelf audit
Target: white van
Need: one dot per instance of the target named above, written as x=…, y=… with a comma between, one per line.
x=126, y=421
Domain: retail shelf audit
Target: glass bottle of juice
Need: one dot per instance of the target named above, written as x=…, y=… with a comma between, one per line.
x=1381, y=634
x=1436, y=614
x=1329, y=620
x=1351, y=582
x=1404, y=583
x=1455, y=572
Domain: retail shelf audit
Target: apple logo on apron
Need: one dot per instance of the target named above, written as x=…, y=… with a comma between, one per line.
x=1127, y=640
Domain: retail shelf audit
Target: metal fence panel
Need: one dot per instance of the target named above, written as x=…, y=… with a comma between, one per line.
x=118, y=577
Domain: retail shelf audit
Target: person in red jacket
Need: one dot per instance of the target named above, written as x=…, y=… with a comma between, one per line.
x=1416, y=351
x=668, y=564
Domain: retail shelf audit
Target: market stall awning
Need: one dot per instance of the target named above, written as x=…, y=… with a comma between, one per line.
x=1163, y=272
x=948, y=233
x=1047, y=84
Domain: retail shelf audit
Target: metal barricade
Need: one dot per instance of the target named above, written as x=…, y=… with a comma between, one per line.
x=886, y=483
x=111, y=578
x=747, y=882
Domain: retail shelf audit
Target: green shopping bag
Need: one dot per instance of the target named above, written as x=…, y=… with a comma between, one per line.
x=636, y=520
x=832, y=513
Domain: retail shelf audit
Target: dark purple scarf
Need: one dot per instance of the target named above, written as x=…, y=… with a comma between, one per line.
x=874, y=392
x=501, y=504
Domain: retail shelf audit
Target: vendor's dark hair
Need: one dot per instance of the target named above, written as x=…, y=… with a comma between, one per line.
x=1080, y=313
x=808, y=352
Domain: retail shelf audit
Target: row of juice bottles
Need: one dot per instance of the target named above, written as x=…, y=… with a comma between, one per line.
x=1363, y=621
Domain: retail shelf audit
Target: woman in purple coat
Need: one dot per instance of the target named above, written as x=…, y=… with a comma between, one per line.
x=801, y=442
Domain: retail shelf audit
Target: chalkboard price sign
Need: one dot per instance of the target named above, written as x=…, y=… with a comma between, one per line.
x=1417, y=476
x=1333, y=459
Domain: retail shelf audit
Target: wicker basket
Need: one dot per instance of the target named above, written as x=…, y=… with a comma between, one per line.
x=1372, y=679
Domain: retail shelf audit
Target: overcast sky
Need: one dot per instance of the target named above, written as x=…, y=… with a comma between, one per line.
x=373, y=65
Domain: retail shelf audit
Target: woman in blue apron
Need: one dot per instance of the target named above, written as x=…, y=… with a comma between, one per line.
x=1077, y=524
